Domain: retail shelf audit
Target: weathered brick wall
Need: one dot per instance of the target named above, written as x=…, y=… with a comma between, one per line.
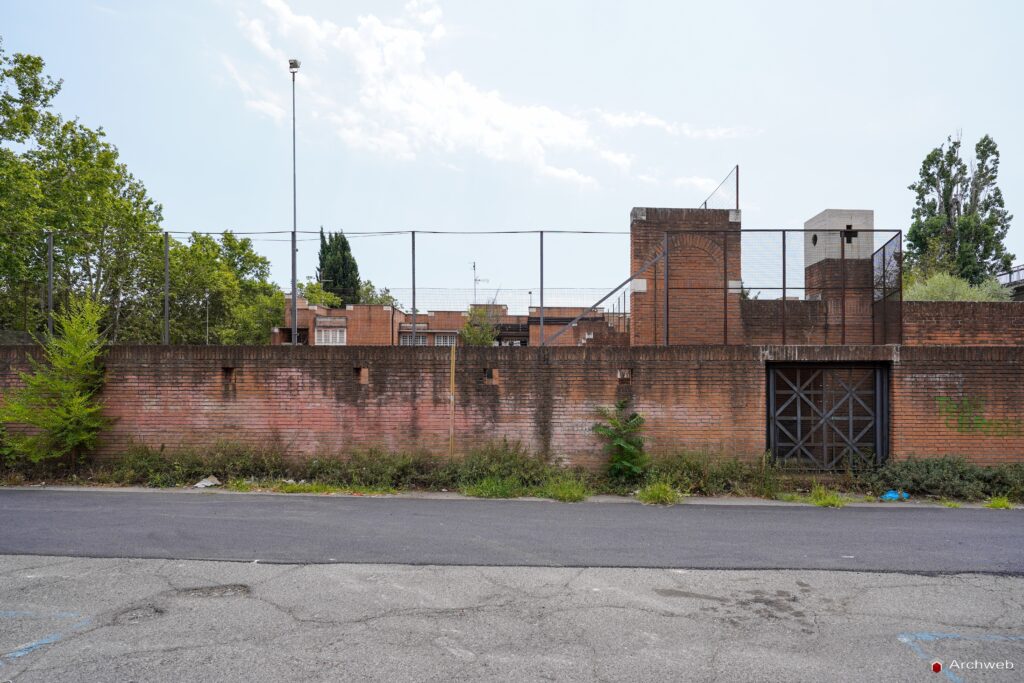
x=927, y=323
x=945, y=400
x=959, y=401
x=701, y=265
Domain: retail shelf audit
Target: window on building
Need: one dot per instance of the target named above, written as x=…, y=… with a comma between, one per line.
x=445, y=339
x=331, y=336
x=405, y=339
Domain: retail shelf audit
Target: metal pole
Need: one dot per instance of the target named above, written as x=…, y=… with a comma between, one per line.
x=207, y=318
x=665, y=273
x=842, y=301
x=725, y=289
x=737, y=187
x=167, y=289
x=49, y=283
x=783, y=287
x=542, y=288
x=295, y=223
x=412, y=340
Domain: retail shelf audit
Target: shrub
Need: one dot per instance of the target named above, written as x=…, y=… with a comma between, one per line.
x=659, y=492
x=946, y=287
x=499, y=460
x=58, y=403
x=704, y=474
x=951, y=478
x=620, y=431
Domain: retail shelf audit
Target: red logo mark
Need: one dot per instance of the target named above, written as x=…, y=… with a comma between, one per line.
x=937, y=666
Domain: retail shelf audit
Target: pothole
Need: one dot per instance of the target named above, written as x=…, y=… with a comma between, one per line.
x=226, y=590
x=134, y=615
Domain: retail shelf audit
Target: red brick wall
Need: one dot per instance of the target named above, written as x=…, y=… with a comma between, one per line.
x=959, y=401
x=697, y=270
x=927, y=323
x=945, y=400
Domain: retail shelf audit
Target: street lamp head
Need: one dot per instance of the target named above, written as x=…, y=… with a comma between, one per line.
x=293, y=65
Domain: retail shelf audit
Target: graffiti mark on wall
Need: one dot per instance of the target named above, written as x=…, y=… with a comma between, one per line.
x=967, y=416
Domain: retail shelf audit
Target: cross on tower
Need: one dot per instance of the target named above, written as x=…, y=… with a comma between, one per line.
x=849, y=234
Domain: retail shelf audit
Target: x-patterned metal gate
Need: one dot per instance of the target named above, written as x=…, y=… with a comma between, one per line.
x=828, y=417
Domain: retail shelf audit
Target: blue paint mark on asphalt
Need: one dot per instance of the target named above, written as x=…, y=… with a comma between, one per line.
x=911, y=640
x=48, y=639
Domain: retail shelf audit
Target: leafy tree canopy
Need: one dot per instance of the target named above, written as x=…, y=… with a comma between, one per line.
x=959, y=218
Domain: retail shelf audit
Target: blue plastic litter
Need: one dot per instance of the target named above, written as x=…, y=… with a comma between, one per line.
x=892, y=494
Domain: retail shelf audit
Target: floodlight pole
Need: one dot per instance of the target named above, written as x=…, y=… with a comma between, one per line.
x=293, y=67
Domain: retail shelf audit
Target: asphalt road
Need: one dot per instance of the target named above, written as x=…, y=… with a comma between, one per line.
x=77, y=619
x=309, y=529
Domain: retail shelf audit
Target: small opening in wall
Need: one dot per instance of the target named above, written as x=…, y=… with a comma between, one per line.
x=625, y=375
x=490, y=375
x=362, y=375
x=227, y=373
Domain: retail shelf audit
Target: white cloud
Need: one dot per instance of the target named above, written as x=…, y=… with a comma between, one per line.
x=399, y=106
x=696, y=182
x=638, y=119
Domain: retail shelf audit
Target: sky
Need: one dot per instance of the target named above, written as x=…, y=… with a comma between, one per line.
x=527, y=115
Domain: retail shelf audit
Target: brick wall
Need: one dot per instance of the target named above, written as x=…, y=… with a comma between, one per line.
x=945, y=400
x=959, y=401
x=976, y=323
x=699, y=266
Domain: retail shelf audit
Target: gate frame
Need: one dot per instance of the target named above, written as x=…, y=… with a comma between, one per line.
x=882, y=403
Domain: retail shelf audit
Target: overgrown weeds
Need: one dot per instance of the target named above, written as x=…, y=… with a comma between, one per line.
x=999, y=503
x=826, y=498
x=659, y=492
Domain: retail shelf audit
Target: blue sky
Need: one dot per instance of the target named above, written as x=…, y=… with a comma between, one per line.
x=529, y=114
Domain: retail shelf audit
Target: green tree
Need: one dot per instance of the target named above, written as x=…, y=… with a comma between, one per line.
x=337, y=270
x=58, y=402
x=25, y=93
x=479, y=330
x=959, y=218
x=368, y=294
x=316, y=294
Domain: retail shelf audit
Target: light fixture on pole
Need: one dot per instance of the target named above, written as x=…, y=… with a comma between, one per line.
x=293, y=67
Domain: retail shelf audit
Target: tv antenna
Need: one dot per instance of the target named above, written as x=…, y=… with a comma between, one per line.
x=476, y=281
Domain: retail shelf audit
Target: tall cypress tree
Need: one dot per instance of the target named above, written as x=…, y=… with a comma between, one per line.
x=337, y=270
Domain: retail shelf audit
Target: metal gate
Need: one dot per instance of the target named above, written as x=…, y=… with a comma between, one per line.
x=828, y=417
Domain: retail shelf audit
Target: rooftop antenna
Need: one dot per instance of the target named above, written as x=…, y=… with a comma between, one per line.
x=476, y=281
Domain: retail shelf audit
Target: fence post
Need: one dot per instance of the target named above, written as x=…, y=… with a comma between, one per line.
x=541, y=288
x=842, y=270
x=783, y=287
x=412, y=339
x=49, y=283
x=725, y=287
x=167, y=290
x=664, y=256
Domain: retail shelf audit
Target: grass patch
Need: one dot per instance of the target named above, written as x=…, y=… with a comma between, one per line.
x=659, y=493
x=826, y=498
x=494, y=487
x=564, y=486
x=999, y=503
x=947, y=503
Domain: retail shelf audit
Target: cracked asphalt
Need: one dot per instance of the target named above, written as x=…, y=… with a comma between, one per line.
x=78, y=619
x=366, y=616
